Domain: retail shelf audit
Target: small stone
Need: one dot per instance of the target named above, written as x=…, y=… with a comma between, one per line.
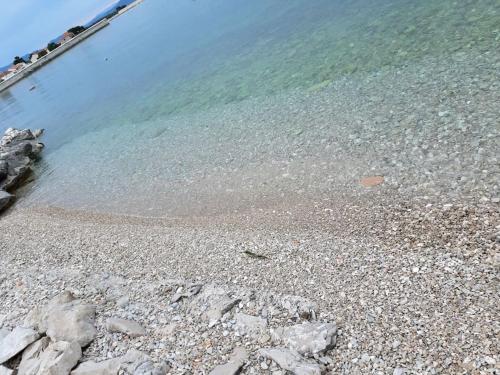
x=292, y=361
x=399, y=371
x=122, y=302
x=372, y=181
x=308, y=338
x=128, y=327
x=249, y=325
x=237, y=360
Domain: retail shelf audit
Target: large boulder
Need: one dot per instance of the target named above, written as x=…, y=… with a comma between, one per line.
x=16, y=341
x=65, y=318
x=5, y=371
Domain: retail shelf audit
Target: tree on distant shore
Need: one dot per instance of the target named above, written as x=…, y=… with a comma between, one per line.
x=52, y=46
x=42, y=53
x=76, y=30
x=18, y=60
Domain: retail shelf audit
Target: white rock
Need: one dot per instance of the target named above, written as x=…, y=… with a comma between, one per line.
x=30, y=361
x=3, y=332
x=65, y=318
x=250, y=325
x=238, y=359
x=16, y=341
x=308, y=338
x=5, y=371
x=56, y=359
x=108, y=367
x=291, y=361
x=129, y=327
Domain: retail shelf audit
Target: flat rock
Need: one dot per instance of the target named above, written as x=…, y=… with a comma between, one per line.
x=109, y=367
x=238, y=359
x=65, y=318
x=249, y=325
x=129, y=327
x=308, y=338
x=16, y=341
x=291, y=361
x=3, y=332
x=218, y=306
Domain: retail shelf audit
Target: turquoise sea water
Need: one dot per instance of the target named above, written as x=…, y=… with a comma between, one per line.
x=199, y=106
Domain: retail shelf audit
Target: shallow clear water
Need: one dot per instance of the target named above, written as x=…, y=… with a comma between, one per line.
x=195, y=107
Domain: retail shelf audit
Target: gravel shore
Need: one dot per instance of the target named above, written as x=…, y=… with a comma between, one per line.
x=407, y=269
x=418, y=293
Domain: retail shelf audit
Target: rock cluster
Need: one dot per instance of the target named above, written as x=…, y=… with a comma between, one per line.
x=18, y=150
x=53, y=337
x=58, y=337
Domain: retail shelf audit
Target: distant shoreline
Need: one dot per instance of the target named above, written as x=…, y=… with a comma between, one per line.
x=29, y=69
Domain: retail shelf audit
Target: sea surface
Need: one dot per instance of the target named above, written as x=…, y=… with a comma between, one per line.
x=194, y=107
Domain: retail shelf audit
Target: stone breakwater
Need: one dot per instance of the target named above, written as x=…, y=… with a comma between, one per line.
x=54, y=336
x=18, y=151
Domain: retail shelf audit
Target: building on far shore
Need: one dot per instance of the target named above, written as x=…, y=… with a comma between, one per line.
x=66, y=37
x=3, y=75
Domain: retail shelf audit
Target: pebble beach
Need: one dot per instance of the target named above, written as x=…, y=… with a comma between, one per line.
x=375, y=210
